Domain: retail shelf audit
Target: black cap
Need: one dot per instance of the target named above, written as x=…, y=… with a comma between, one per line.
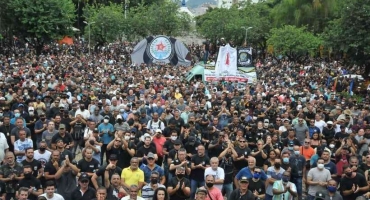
x=319, y=195
x=83, y=177
x=177, y=142
x=95, y=130
x=244, y=179
x=106, y=117
x=113, y=157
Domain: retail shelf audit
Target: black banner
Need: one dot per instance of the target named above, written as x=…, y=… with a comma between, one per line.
x=244, y=56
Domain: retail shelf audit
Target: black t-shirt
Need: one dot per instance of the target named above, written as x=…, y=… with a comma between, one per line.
x=143, y=151
x=33, y=182
x=177, y=162
x=88, y=195
x=295, y=142
x=241, y=163
x=347, y=184
x=65, y=153
x=236, y=195
x=228, y=166
x=35, y=165
x=198, y=174
x=67, y=139
x=66, y=122
x=168, y=145
x=179, y=195
x=49, y=167
x=2, y=188
x=258, y=186
x=101, y=172
x=88, y=166
x=258, y=157
x=178, y=122
x=123, y=156
x=173, y=154
x=192, y=148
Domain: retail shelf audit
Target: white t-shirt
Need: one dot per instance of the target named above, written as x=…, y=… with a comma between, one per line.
x=320, y=124
x=85, y=114
x=128, y=198
x=218, y=174
x=22, y=146
x=42, y=157
x=3, y=145
x=55, y=197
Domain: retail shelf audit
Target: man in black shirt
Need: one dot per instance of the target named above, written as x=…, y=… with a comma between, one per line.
x=114, y=189
x=52, y=166
x=123, y=149
x=30, y=182
x=6, y=128
x=88, y=164
x=143, y=151
x=62, y=135
x=199, y=163
x=257, y=186
x=83, y=192
x=241, y=160
x=112, y=168
x=242, y=193
x=35, y=164
x=179, y=186
x=353, y=184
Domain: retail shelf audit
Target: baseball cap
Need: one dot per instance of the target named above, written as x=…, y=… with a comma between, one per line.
x=177, y=142
x=62, y=126
x=244, y=179
x=319, y=196
x=329, y=122
x=113, y=157
x=106, y=117
x=158, y=131
x=202, y=190
x=150, y=155
x=83, y=177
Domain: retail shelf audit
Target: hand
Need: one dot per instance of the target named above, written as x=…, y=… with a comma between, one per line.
x=30, y=190
x=177, y=186
x=357, y=189
x=67, y=161
x=200, y=166
x=56, y=164
x=354, y=188
x=183, y=186
x=184, y=162
x=255, y=193
x=241, y=157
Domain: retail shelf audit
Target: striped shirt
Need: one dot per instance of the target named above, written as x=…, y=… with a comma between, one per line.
x=148, y=191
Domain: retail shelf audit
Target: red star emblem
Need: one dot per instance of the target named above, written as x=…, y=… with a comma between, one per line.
x=160, y=47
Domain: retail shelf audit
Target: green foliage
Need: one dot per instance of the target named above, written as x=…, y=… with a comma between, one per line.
x=293, y=42
x=107, y=22
x=350, y=32
x=45, y=20
x=311, y=13
x=228, y=23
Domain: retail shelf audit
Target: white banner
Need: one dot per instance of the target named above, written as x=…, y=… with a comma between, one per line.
x=226, y=64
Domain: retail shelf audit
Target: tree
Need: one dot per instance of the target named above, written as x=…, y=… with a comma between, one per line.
x=41, y=21
x=295, y=43
x=106, y=23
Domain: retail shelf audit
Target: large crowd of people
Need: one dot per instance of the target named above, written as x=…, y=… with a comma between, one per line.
x=80, y=127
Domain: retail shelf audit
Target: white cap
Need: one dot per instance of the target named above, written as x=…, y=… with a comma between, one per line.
x=329, y=122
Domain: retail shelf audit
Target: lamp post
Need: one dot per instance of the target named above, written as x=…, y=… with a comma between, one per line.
x=89, y=25
x=246, y=33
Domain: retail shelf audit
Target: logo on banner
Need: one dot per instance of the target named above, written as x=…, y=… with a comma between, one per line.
x=160, y=48
x=244, y=57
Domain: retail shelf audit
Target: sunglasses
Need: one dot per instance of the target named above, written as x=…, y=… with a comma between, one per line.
x=84, y=181
x=242, y=141
x=306, y=142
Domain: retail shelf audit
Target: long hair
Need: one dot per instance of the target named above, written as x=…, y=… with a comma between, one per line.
x=166, y=196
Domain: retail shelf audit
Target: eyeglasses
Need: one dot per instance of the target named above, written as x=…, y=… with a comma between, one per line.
x=306, y=142
x=84, y=181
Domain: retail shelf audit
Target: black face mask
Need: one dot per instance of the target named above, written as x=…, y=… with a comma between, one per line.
x=209, y=185
x=180, y=176
x=242, y=118
x=348, y=174
x=42, y=149
x=154, y=181
x=42, y=118
x=119, y=121
x=82, y=108
x=277, y=165
x=28, y=175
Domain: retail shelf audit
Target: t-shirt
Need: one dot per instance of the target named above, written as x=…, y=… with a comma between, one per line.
x=35, y=165
x=55, y=197
x=271, y=173
x=279, y=185
x=317, y=176
x=179, y=194
x=347, y=184
x=198, y=173
x=218, y=174
x=42, y=157
x=33, y=182
x=22, y=146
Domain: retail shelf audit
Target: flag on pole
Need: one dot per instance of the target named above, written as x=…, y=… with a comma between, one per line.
x=226, y=61
x=335, y=84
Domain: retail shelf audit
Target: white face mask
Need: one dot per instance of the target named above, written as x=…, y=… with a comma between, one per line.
x=31, y=113
x=106, y=121
x=320, y=166
x=127, y=137
x=331, y=145
x=173, y=137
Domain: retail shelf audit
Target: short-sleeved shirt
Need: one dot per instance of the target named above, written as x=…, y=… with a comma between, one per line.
x=271, y=173
x=2, y=188
x=132, y=177
x=67, y=139
x=218, y=174
x=258, y=186
x=317, y=176
x=15, y=132
x=35, y=165
x=198, y=174
x=6, y=171
x=102, y=169
x=148, y=191
x=88, y=195
x=33, y=182
x=22, y=146
x=179, y=194
x=278, y=185
x=148, y=172
x=347, y=184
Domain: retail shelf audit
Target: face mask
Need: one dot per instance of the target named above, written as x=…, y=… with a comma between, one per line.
x=285, y=179
x=209, y=185
x=242, y=118
x=119, y=121
x=82, y=108
x=348, y=174
x=1, y=114
x=25, y=94
x=127, y=137
x=296, y=153
x=42, y=118
x=332, y=189
x=173, y=137
x=154, y=181
x=31, y=113
x=17, y=114
x=277, y=165
x=286, y=160
x=290, y=148
x=27, y=175
x=256, y=175
x=180, y=176
x=106, y=121
x=320, y=166
x=331, y=145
